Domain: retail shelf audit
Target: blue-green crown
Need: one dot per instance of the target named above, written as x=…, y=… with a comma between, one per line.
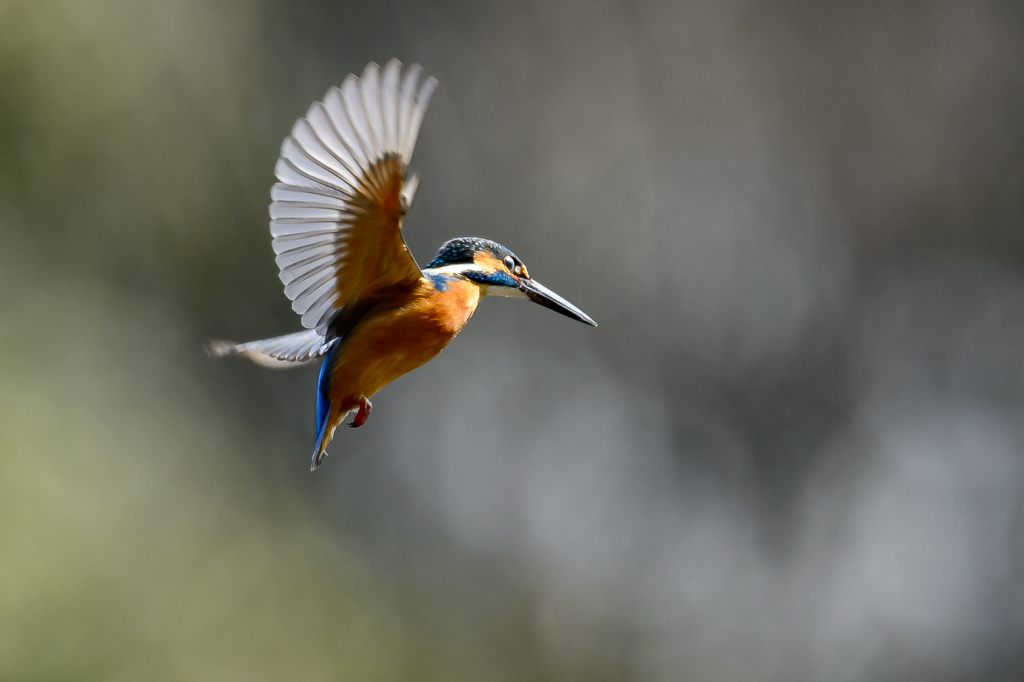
x=461, y=250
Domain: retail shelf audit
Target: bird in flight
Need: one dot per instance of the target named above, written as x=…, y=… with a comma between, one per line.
x=369, y=311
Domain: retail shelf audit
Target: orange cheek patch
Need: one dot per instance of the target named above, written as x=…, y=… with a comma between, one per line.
x=487, y=262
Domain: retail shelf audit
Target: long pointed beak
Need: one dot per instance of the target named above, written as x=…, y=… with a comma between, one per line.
x=538, y=293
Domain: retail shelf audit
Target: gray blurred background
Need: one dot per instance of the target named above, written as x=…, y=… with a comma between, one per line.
x=791, y=451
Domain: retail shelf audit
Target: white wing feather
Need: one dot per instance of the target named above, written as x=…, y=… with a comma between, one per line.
x=321, y=169
x=280, y=352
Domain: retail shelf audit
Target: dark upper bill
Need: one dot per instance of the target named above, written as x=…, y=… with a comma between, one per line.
x=538, y=293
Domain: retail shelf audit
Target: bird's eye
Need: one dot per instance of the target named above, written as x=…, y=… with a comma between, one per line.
x=509, y=263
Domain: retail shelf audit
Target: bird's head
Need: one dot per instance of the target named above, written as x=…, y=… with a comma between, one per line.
x=498, y=272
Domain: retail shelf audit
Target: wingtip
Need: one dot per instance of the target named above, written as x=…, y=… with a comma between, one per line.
x=216, y=348
x=370, y=68
x=427, y=91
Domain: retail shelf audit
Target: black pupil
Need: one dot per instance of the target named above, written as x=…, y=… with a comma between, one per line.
x=509, y=263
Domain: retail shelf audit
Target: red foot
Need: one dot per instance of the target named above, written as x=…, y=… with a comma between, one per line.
x=363, y=414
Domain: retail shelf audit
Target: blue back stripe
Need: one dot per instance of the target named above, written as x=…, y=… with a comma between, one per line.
x=323, y=390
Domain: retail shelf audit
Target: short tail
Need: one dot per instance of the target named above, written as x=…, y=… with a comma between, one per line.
x=280, y=352
x=323, y=439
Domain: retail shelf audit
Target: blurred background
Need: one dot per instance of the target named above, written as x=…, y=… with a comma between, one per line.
x=791, y=451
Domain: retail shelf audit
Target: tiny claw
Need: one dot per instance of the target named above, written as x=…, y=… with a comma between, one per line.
x=363, y=414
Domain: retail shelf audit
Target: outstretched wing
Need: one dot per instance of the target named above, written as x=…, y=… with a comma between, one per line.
x=280, y=352
x=337, y=211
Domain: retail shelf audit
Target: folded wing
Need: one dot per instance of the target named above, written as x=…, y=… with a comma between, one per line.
x=337, y=211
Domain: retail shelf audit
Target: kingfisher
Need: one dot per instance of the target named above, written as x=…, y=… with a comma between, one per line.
x=370, y=313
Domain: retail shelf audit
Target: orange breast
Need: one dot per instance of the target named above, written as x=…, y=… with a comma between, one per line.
x=400, y=335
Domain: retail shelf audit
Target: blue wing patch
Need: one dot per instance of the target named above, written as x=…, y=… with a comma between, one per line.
x=440, y=281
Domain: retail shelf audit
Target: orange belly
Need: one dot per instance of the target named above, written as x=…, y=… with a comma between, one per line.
x=387, y=344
